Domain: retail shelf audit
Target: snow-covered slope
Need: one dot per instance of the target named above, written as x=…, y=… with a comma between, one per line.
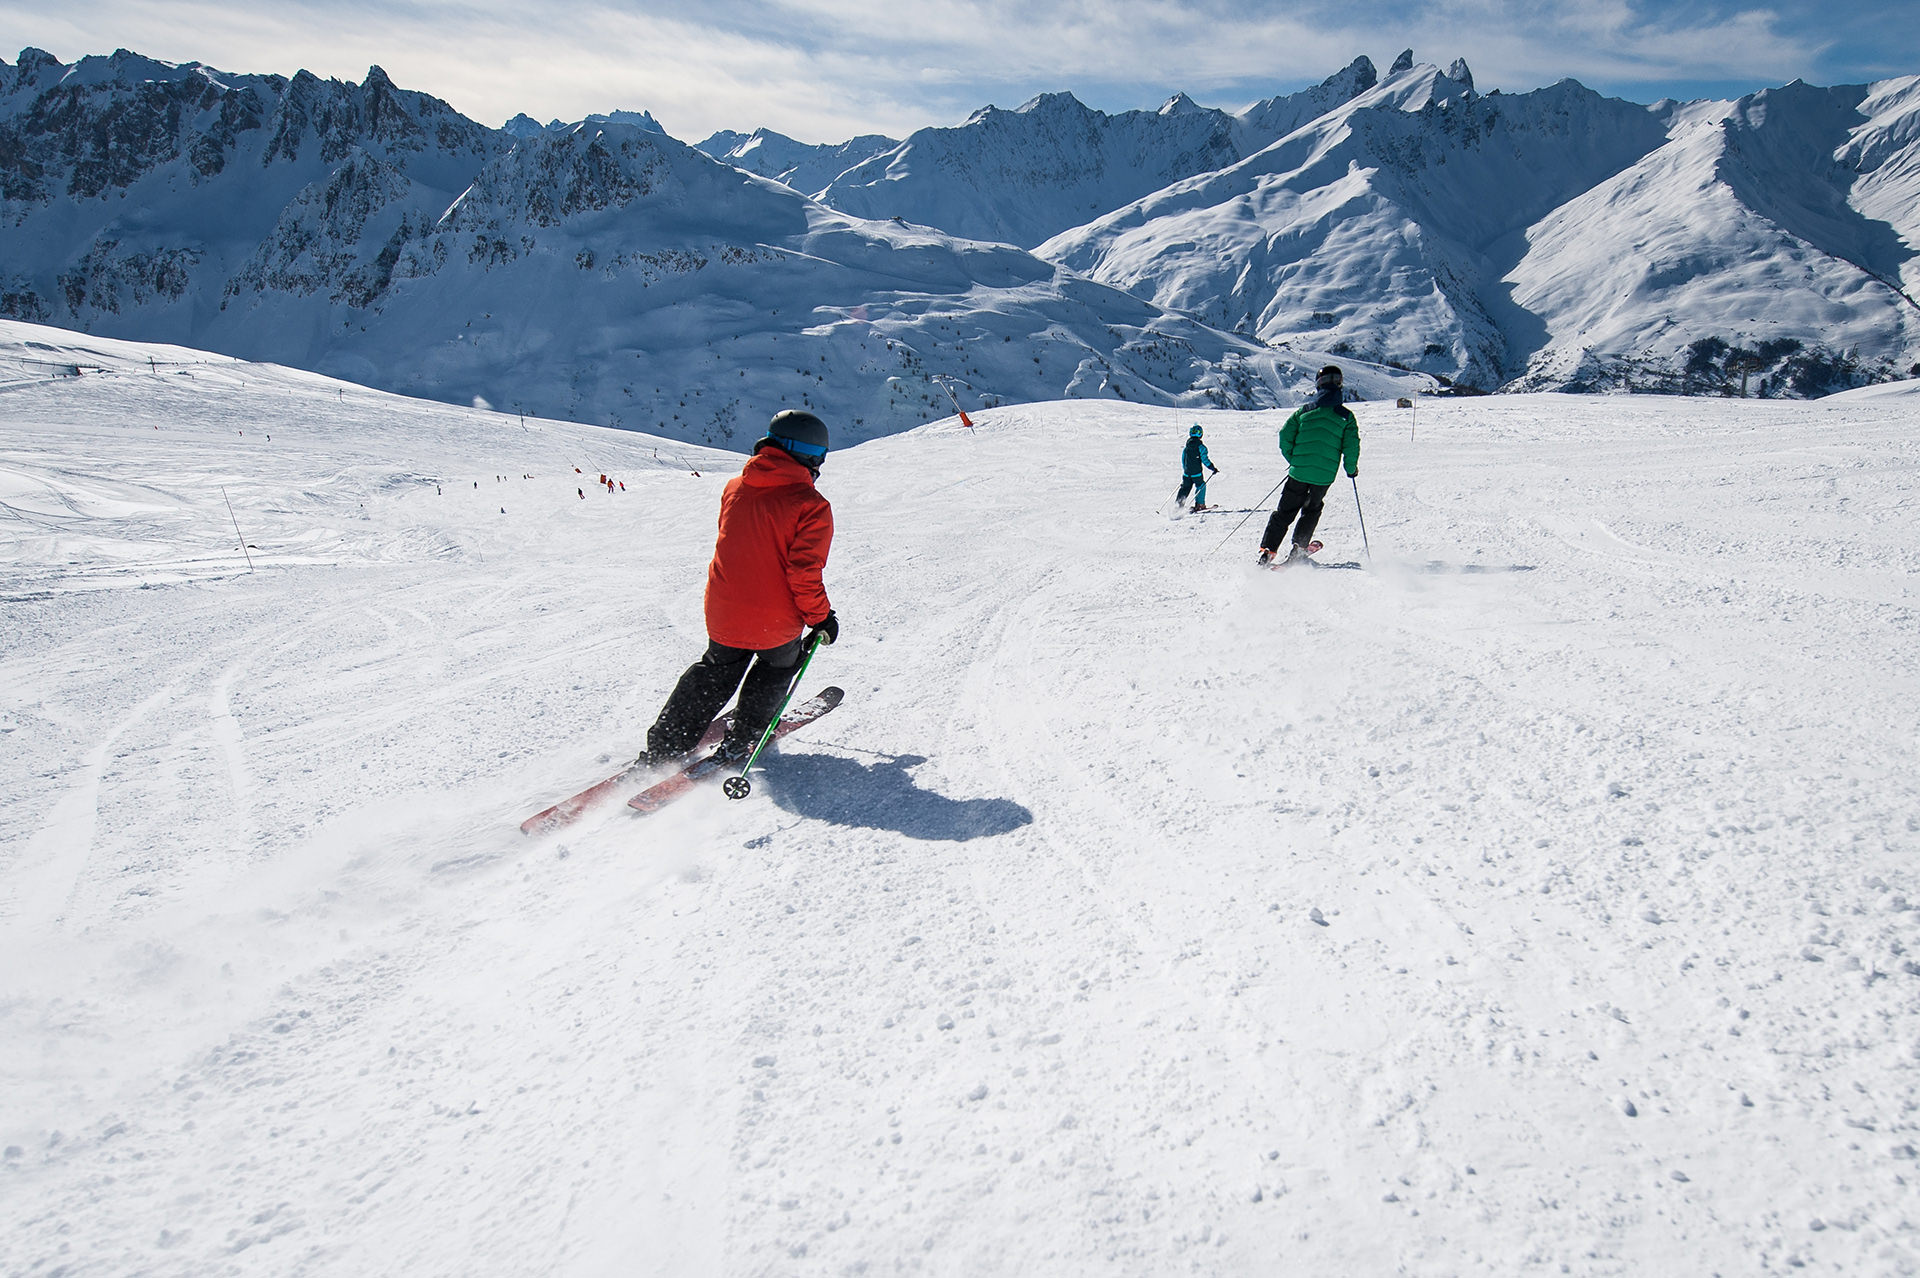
x=805, y=167
x=1265, y=122
x=1738, y=241
x=1371, y=228
x=1024, y=175
x=1903, y=389
x=1556, y=237
x=1541, y=899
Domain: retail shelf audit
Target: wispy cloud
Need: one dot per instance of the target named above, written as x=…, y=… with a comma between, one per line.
x=827, y=69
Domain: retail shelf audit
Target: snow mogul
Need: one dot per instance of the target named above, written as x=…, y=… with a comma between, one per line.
x=1315, y=440
x=1194, y=465
x=765, y=599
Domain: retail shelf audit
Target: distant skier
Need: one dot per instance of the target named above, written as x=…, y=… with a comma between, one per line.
x=1315, y=440
x=1194, y=465
x=764, y=593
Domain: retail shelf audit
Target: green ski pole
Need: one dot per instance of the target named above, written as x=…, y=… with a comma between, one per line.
x=739, y=787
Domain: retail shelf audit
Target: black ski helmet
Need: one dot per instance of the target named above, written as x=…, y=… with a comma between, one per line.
x=802, y=436
x=1330, y=378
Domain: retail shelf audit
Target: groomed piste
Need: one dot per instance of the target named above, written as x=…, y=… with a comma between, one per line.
x=1540, y=899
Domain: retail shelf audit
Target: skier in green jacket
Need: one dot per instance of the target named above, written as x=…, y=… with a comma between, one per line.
x=1315, y=440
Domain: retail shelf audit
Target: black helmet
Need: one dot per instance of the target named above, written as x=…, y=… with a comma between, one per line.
x=1330, y=378
x=802, y=436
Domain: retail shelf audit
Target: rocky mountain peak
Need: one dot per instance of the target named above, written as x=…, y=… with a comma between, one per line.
x=1356, y=77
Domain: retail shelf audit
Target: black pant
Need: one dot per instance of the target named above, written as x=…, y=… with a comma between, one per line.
x=711, y=681
x=1296, y=498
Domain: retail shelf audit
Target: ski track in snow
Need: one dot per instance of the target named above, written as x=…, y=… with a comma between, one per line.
x=1539, y=900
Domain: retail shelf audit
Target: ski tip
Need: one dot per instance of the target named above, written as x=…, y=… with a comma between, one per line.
x=550, y=819
x=832, y=696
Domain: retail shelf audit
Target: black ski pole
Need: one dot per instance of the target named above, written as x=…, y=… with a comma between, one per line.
x=739, y=787
x=1355, y=481
x=1249, y=515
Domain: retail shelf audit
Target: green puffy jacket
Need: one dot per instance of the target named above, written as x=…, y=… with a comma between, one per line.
x=1317, y=436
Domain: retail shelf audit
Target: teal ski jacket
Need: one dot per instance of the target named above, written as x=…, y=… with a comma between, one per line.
x=1193, y=457
x=1317, y=437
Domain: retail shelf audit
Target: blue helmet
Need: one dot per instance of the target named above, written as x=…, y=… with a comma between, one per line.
x=1195, y=432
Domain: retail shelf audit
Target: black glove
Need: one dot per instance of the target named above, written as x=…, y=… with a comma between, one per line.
x=1214, y=469
x=827, y=631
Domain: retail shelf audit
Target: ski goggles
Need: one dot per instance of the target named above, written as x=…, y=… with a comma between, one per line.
x=814, y=453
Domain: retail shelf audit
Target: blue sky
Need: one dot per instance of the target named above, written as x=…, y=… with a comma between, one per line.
x=824, y=70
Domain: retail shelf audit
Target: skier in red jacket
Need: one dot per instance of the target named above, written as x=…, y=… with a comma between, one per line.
x=764, y=594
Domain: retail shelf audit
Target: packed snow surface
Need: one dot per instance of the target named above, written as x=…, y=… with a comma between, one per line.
x=1541, y=900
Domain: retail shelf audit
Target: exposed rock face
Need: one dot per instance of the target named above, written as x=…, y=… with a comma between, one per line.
x=153, y=187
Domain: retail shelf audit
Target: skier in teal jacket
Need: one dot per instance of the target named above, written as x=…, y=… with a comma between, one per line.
x=1194, y=465
x=1315, y=440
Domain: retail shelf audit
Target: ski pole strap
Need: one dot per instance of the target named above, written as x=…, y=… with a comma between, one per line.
x=806, y=660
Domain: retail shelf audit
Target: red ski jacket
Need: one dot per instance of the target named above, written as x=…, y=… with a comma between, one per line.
x=763, y=586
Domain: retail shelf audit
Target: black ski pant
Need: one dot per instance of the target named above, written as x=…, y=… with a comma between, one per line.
x=710, y=683
x=1296, y=498
x=1195, y=484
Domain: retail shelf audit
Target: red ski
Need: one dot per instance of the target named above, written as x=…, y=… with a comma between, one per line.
x=567, y=811
x=657, y=796
x=1308, y=561
x=1281, y=561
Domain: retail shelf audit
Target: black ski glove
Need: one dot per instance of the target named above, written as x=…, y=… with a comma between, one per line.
x=827, y=631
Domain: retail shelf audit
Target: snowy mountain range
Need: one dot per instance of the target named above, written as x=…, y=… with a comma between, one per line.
x=1417, y=231
x=1551, y=240
x=800, y=165
x=601, y=271
x=1556, y=239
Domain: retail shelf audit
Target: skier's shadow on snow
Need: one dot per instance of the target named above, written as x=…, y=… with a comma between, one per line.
x=883, y=796
x=1436, y=565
